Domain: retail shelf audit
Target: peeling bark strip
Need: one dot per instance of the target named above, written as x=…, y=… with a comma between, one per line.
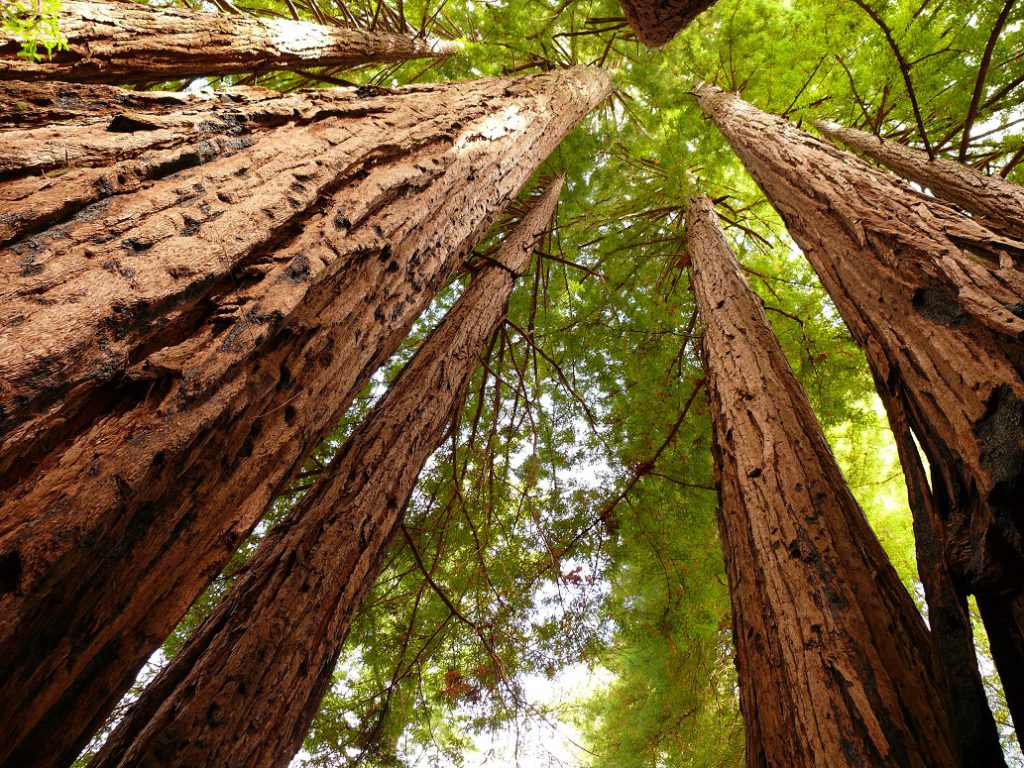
x=998, y=202
x=935, y=301
x=655, y=22
x=264, y=659
x=125, y=42
x=238, y=340
x=832, y=654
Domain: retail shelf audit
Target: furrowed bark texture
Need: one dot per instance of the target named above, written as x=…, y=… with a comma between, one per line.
x=245, y=688
x=218, y=323
x=69, y=146
x=124, y=42
x=999, y=203
x=936, y=302
x=655, y=22
x=833, y=657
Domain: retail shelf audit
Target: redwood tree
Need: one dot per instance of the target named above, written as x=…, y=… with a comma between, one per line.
x=934, y=298
x=833, y=657
x=999, y=203
x=266, y=656
x=181, y=349
x=111, y=41
x=655, y=22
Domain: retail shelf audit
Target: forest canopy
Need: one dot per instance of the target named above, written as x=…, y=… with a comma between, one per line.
x=557, y=594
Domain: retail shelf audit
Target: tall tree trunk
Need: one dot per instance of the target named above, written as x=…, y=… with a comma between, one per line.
x=833, y=657
x=999, y=203
x=266, y=656
x=234, y=310
x=123, y=42
x=655, y=22
x=934, y=299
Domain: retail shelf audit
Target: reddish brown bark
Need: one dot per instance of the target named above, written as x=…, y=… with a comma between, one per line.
x=655, y=22
x=68, y=146
x=998, y=202
x=833, y=657
x=934, y=299
x=266, y=656
x=252, y=315
x=124, y=42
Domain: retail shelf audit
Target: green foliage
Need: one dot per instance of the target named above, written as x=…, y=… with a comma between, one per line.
x=32, y=24
x=570, y=515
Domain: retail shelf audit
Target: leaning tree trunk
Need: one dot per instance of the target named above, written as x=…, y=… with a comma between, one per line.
x=999, y=203
x=186, y=346
x=266, y=656
x=125, y=42
x=655, y=22
x=949, y=618
x=833, y=657
x=934, y=299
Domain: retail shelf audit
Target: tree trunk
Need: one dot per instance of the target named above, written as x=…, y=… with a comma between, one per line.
x=934, y=299
x=655, y=22
x=69, y=146
x=264, y=659
x=234, y=310
x=997, y=202
x=1003, y=615
x=952, y=636
x=125, y=42
x=833, y=657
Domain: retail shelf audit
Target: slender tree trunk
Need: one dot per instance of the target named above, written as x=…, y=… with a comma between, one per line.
x=232, y=324
x=263, y=660
x=998, y=202
x=124, y=42
x=833, y=657
x=935, y=300
x=952, y=636
x=655, y=22
x=1003, y=614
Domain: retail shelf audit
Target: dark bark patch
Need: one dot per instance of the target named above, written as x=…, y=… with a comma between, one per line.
x=939, y=306
x=1016, y=309
x=298, y=270
x=1000, y=435
x=135, y=246
x=127, y=124
x=10, y=571
x=189, y=226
